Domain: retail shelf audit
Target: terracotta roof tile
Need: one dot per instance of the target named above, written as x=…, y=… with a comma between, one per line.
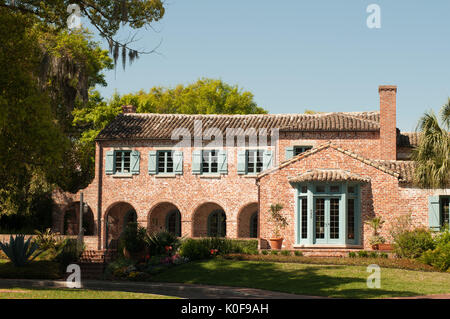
x=161, y=126
x=328, y=175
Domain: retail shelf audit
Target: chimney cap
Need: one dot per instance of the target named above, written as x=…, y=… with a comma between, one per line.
x=128, y=108
x=387, y=88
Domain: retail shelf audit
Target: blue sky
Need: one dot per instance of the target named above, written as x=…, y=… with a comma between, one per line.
x=297, y=55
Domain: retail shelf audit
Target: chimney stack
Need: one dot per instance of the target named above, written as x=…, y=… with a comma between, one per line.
x=388, y=122
x=128, y=109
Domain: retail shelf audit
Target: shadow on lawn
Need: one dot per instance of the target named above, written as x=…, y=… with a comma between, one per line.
x=306, y=281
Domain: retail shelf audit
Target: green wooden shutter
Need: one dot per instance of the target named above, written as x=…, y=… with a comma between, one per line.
x=178, y=162
x=152, y=160
x=289, y=152
x=434, y=216
x=196, y=162
x=135, y=162
x=241, y=162
x=223, y=163
x=267, y=159
x=109, y=163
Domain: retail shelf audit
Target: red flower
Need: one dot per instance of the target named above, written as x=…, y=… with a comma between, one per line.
x=147, y=257
x=214, y=251
x=167, y=248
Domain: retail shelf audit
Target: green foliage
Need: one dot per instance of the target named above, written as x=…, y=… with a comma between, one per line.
x=285, y=253
x=68, y=252
x=413, y=243
x=278, y=220
x=46, y=239
x=352, y=254
x=298, y=253
x=432, y=157
x=375, y=223
x=32, y=270
x=440, y=256
x=363, y=254
x=265, y=252
x=203, y=248
x=19, y=251
x=162, y=243
x=134, y=238
x=274, y=252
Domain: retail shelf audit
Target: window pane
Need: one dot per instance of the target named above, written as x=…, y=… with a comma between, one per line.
x=320, y=189
x=118, y=162
x=301, y=149
x=334, y=189
x=334, y=218
x=351, y=218
x=169, y=162
x=320, y=218
x=445, y=211
x=126, y=162
x=304, y=217
x=304, y=189
x=351, y=189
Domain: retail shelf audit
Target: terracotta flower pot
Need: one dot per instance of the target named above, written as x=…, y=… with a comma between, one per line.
x=375, y=247
x=276, y=243
x=385, y=247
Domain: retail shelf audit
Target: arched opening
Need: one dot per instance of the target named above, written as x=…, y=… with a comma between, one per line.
x=209, y=221
x=248, y=221
x=117, y=217
x=165, y=216
x=72, y=220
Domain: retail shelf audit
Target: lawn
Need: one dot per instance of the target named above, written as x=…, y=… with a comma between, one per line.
x=338, y=281
x=21, y=293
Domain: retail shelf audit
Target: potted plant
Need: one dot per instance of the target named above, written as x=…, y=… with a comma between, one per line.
x=134, y=244
x=279, y=222
x=376, y=240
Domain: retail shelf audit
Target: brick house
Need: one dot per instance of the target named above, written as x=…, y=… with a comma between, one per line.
x=330, y=171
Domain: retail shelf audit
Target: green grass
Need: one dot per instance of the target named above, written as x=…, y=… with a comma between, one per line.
x=20, y=293
x=339, y=281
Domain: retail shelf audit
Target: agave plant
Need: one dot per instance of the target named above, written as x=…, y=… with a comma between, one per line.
x=20, y=251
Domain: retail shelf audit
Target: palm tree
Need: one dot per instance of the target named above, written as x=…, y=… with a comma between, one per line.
x=432, y=155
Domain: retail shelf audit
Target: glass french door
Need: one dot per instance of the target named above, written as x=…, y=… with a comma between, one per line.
x=326, y=220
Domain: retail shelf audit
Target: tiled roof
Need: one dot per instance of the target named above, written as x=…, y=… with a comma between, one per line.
x=408, y=139
x=403, y=170
x=161, y=126
x=328, y=175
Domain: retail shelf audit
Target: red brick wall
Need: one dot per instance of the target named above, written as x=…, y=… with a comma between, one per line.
x=383, y=196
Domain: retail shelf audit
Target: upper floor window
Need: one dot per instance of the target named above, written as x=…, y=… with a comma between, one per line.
x=301, y=149
x=122, y=161
x=210, y=161
x=165, y=162
x=254, y=161
x=445, y=212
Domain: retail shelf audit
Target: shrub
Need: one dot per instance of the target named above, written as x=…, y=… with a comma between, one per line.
x=274, y=252
x=265, y=252
x=363, y=254
x=384, y=255
x=117, y=267
x=46, y=240
x=285, y=253
x=163, y=242
x=373, y=254
x=133, y=238
x=68, y=252
x=413, y=243
x=352, y=254
x=32, y=270
x=197, y=249
x=19, y=251
x=298, y=253
x=248, y=246
x=440, y=256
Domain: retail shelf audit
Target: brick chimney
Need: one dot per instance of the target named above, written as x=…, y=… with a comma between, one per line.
x=388, y=122
x=128, y=109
